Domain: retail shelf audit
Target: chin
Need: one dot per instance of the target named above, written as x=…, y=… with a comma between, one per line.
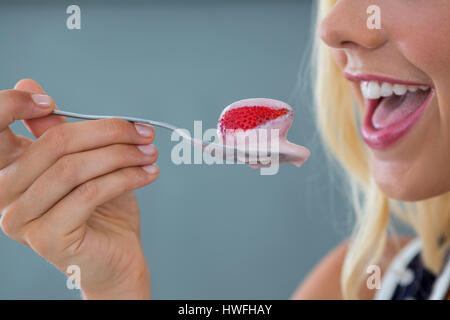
x=405, y=185
x=401, y=192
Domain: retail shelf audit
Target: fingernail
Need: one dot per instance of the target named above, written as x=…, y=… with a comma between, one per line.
x=151, y=169
x=42, y=100
x=148, y=149
x=143, y=130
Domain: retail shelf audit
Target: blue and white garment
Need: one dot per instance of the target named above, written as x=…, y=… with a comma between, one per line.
x=408, y=279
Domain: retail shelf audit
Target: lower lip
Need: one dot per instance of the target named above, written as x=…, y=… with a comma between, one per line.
x=384, y=138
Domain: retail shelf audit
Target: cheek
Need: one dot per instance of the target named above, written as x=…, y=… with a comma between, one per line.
x=420, y=30
x=430, y=52
x=432, y=56
x=422, y=170
x=428, y=47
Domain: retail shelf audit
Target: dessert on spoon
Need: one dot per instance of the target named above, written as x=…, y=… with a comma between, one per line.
x=260, y=126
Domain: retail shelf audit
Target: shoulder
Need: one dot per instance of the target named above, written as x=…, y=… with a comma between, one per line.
x=324, y=281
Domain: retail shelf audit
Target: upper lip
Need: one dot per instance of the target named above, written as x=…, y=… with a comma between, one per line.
x=374, y=77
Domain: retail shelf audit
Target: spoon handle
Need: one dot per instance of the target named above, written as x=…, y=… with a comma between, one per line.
x=97, y=117
x=199, y=143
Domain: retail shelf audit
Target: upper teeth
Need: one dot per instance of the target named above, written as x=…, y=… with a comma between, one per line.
x=373, y=89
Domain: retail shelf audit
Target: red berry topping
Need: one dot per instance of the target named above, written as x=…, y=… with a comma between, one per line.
x=246, y=117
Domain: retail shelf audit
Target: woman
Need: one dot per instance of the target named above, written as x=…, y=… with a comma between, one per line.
x=401, y=164
x=398, y=75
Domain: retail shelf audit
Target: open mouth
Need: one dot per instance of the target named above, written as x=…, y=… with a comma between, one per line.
x=392, y=109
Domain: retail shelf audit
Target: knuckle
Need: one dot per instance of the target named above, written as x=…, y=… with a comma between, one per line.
x=13, y=95
x=57, y=137
x=3, y=194
x=7, y=95
x=88, y=191
x=40, y=240
x=65, y=169
x=8, y=222
x=11, y=101
x=6, y=226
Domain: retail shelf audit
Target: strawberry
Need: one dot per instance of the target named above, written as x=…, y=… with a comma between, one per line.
x=249, y=117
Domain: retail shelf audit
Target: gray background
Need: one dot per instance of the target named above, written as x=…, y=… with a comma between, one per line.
x=208, y=231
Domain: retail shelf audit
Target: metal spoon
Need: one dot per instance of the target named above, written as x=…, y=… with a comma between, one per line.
x=228, y=153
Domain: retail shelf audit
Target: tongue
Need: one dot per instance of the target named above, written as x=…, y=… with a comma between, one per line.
x=395, y=109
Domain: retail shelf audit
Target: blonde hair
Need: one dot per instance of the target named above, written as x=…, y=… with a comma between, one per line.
x=337, y=120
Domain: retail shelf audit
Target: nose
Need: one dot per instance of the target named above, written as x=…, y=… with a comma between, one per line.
x=346, y=26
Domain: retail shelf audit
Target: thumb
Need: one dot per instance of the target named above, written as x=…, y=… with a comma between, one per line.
x=37, y=126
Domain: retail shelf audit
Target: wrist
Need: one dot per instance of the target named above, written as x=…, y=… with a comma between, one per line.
x=133, y=288
x=141, y=293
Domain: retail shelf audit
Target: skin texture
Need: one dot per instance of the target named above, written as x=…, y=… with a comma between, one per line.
x=68, y=194
x=415, y=167
x=412, y=46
